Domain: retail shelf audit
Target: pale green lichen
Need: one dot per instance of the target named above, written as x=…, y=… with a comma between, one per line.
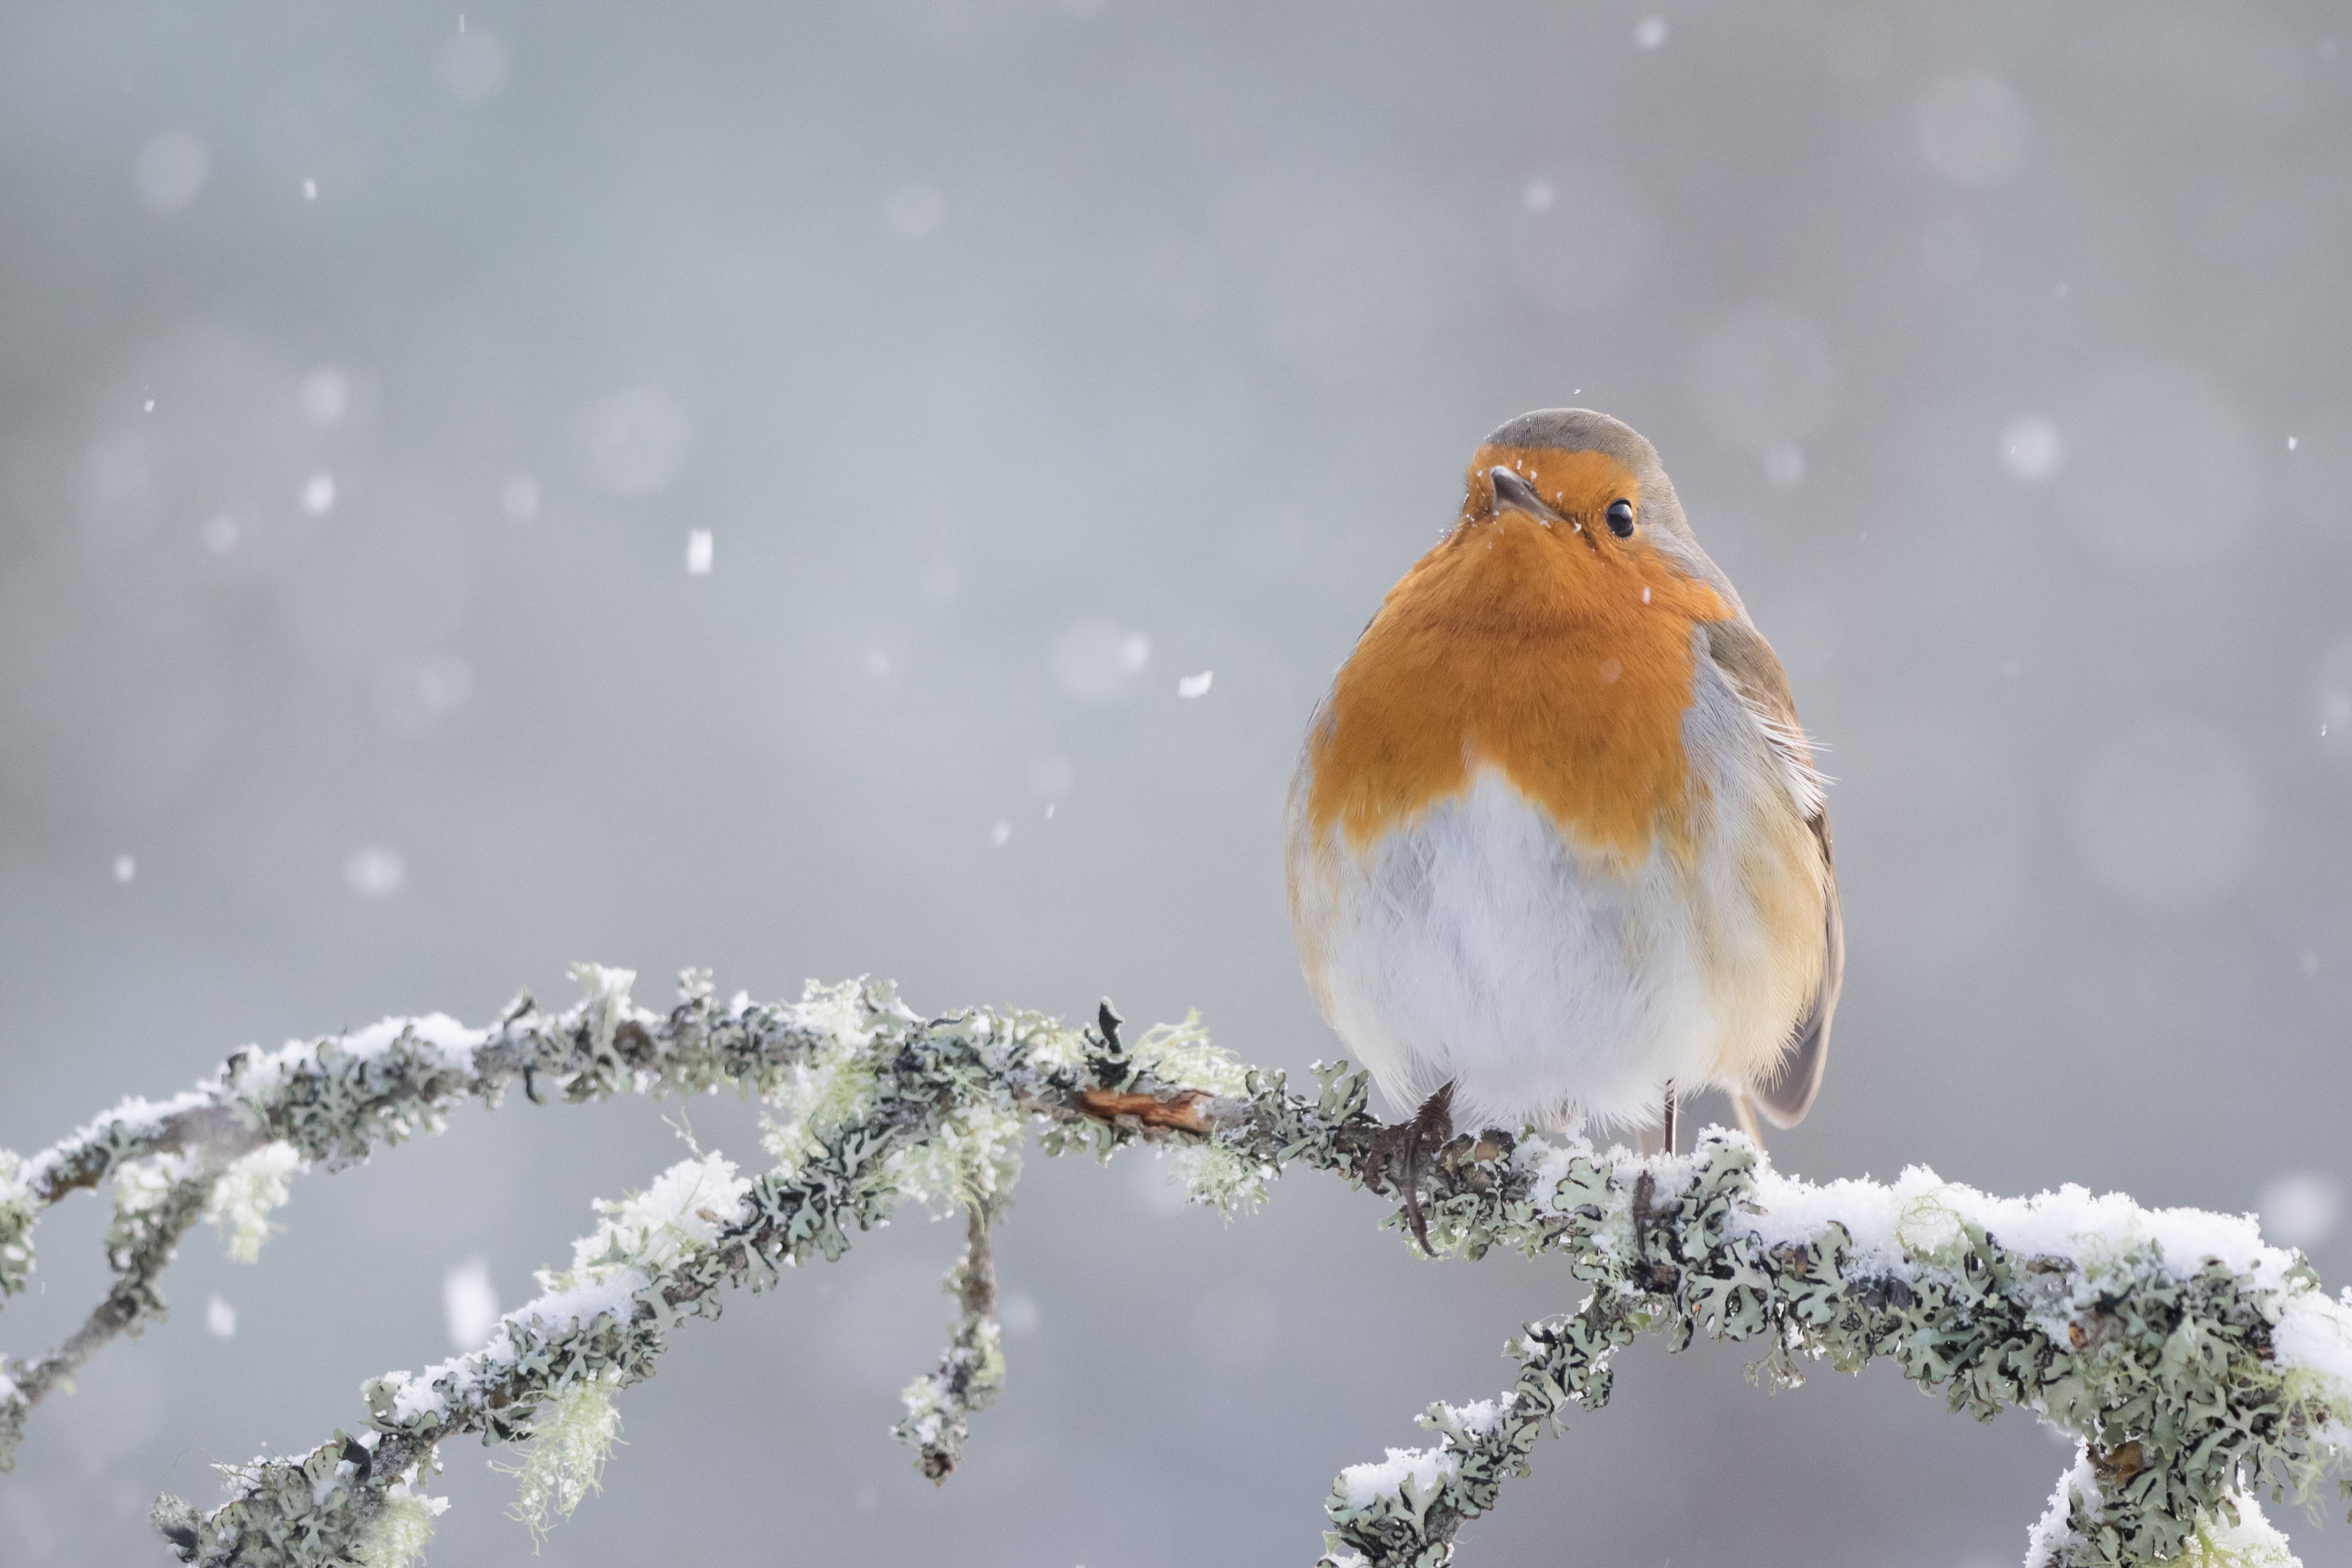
x=608, y=1001
x=571, y=1437
x=145, y=1184
x=1222, y=1177
x=2252, y=1543
x=1042, y=1042
x=649, y=1231
x=18, y=1211
x=155, y=1202
x=401, y=1531
x=974, y=1158
x=1928, y=1225
x=244, y=1194
x=833, y=1084
x=1182, y=1055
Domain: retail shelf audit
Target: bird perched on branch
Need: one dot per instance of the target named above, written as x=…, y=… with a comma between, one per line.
x=1557, y=847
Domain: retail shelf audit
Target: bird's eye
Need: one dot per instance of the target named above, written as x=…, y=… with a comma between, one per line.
x=1621, y=518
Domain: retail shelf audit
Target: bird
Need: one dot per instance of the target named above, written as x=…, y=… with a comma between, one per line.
x=1557, y=849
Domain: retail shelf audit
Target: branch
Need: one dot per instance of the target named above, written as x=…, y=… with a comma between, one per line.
x=224, y=1149
x=939, y=1407
x=2196, y=1366
x=883, y=1107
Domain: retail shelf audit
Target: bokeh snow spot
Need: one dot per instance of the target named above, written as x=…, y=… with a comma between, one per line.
x=172, y=170
x=1584, y=242
x=915, y=210
x=318, y=495
x=326, y=395
x=2031, y=449
x=634, y=442
x=374, y=871
x=1099, y=660
x=518, y=497
x=414, y=695
x=2332, y=702
x=471, y=65
x=2301, y=1208
x=1972, y=130
x=1156, y=1187
x=469, y=1304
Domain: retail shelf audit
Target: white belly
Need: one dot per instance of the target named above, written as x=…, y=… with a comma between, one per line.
x=1473, y=948
x=1477, y=946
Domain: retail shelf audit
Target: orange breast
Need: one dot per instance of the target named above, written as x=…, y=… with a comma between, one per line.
x=1560, y=656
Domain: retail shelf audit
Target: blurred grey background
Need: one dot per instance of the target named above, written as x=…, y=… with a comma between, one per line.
x=741, y=485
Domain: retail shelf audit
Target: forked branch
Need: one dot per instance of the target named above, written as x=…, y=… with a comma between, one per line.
x=2197, y=1367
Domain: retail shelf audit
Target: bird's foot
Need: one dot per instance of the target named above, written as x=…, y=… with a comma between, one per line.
x=1746, y=1112
x=1430, y=1128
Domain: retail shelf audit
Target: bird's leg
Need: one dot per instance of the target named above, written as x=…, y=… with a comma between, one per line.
x=1431, y=1127
x=1747, y=1114
x=1670, y=1129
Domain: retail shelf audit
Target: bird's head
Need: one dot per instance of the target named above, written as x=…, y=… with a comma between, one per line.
x=1593, y=492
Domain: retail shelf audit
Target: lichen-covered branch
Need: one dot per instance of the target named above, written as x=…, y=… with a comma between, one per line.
x=885, y=1106
x=226, y=1149
x=2197, y=1367
x=939, y=1407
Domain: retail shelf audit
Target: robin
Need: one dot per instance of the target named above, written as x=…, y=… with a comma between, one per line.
x=1557, y=847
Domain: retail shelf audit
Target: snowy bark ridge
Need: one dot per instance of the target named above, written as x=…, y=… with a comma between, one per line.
x=2197, y=1366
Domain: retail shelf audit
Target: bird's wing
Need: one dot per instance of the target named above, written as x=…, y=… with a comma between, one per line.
x=1747, y=660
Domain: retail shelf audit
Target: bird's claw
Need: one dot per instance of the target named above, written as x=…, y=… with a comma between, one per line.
x=1430, y=1128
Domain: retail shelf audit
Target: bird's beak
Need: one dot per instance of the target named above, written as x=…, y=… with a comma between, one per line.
x=1514, y=492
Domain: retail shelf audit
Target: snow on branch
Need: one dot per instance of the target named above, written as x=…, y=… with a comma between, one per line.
x=2198, y=1368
